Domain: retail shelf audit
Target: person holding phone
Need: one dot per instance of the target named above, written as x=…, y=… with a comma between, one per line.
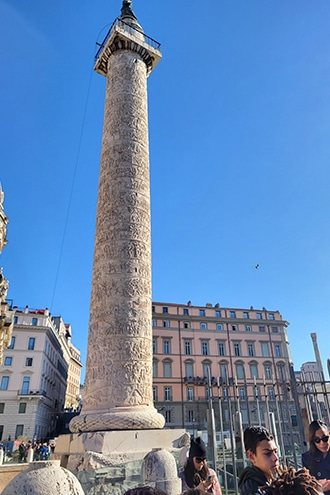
x=317, y=458
x=196, y=473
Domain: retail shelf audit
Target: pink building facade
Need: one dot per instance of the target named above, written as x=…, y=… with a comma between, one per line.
x=239, y=357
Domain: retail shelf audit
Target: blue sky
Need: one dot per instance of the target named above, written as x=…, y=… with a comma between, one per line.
x=239, y=121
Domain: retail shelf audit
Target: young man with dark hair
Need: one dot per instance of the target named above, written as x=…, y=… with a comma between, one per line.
x=261, y=451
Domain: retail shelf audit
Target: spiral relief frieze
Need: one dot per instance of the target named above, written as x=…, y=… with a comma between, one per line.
x=118, y=388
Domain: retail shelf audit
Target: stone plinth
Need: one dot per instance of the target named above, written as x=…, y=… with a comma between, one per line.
x=110, y=448
x=114, y=461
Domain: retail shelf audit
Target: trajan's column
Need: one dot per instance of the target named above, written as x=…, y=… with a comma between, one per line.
x=118, y=387
x=6, y=313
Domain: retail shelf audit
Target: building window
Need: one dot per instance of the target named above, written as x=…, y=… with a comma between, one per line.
x=281, y=371
x=254, y=370
x=242, y=394
x=223, y=372
x=34, y=322
x=168, y=416
x=166, y=347
x=154, y=346
x=278, y=350
x=155, y=369
x=153, y=323
x=234, y=328
x=153, y=309
x=190, y=393
x=205, y=348
x=12, y=343
x=28, y=361
x=32, y=342
x=218, y=313
x=8, y=361
x=250, y=348
x=222, y=348
x=268, y=372
x=19, y=431
x=167, y=393
x=15, y=320
x=245, y=315
x=25, y=385
x=275, y=329
x=165, y=309
x=256, y=392
x=202, y=312
x=219, y=326
x=237, y=349
x=265, y=349
x=186, y=324
x=189, y=370
x=240, y=371
x=186, y=311
x=2, y=407
x=232, y=314
x=22, y=408
x=271, y=316
x=262, y=329
x=207, y=370
x=167, y=369
x=4, y=383
x=166, y=324
x=155, y=394
x=203, y=326
x=190, y=416
x=187, y=347
x=248, y=328
x=271, y=394
x=259, y=316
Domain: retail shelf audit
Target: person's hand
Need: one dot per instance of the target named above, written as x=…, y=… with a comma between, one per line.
x=205, y=486
x=325, y=484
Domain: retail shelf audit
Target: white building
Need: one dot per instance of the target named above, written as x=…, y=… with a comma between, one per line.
x=34, y=375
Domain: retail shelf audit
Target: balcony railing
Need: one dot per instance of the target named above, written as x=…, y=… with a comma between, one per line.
x=199, y=380
x=31, y=392
x=130, y=29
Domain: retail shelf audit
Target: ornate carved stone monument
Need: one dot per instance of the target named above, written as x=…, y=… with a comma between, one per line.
x=6, y=313
x=118, y=425
x=118, y=387
x=3, y=222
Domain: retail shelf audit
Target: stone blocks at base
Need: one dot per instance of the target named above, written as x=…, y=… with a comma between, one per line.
x=84, y=451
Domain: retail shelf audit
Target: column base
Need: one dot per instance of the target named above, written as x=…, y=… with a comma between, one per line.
x=119, y=418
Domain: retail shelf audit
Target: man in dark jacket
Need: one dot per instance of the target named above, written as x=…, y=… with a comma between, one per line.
x=261, y=451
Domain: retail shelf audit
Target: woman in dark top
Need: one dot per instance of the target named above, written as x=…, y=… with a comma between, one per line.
x=317, y=458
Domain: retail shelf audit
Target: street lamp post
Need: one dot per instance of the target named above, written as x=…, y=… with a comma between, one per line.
x=212, y=421
x=222, y=437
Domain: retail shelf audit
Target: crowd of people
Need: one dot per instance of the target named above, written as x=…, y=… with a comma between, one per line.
x=264, y=475
x=41, y=451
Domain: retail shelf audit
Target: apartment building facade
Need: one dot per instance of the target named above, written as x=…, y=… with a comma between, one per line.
x=34, y=375
x=313, y=392
x=236, y=359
